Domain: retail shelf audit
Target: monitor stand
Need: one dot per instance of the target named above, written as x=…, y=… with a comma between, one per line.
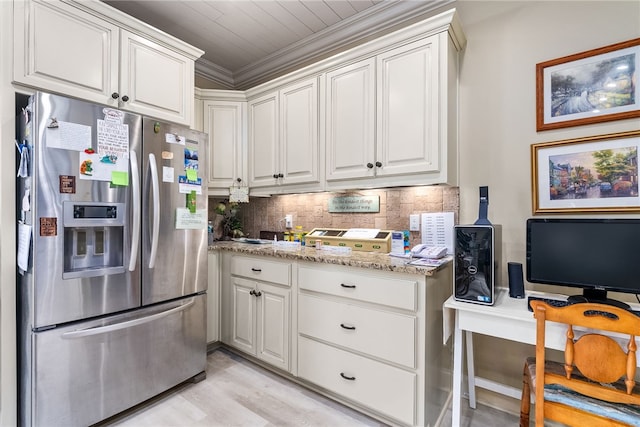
x=597, y=296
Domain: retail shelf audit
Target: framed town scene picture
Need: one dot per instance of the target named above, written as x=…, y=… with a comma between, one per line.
x=586, y=175
x=589, y=87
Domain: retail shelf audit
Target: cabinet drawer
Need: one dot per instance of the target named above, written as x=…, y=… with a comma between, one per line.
x=385, y=389
x=261, y=269
x=359, y=328
x=355, y=283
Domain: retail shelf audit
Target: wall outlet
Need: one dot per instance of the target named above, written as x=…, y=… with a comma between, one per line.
x=414, y=222
x=288, y=221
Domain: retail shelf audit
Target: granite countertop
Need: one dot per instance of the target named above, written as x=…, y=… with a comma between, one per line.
x=376, y=261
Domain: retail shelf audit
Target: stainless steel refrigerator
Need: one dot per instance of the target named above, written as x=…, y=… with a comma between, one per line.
x=112, y=260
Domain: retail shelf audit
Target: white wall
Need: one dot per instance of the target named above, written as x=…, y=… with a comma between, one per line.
x=7, y=225
x=498, y=121
x=497, y=114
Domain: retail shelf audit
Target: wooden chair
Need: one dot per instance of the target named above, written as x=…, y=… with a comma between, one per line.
x=595, y=386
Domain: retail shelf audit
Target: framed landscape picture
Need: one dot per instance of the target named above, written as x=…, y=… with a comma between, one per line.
x=586, y=175
x=589, y=87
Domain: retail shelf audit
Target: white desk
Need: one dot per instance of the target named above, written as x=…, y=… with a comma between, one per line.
x=509, y=319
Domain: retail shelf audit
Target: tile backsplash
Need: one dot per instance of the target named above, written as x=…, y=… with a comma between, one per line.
x=312, y=210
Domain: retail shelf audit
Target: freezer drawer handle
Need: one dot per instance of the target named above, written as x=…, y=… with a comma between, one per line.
x=81, y=333
x=135, y=231
x=156, y=210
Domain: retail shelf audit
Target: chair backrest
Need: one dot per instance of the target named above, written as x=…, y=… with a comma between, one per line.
x=598, y=357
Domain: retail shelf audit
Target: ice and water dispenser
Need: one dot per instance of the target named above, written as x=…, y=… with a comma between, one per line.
x=93, y=239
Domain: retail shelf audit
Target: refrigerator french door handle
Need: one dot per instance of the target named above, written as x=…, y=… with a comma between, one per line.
x=156, y=210
x=81, y=333
x=135, y=232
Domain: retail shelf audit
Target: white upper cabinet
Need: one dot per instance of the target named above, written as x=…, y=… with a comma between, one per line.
x=391, y=108
x=154, y=80
x=224, y=122
x=408, y=109
x=283, y=137
x=390, y=116
x=98, y=54
x=382, y=114
x=350, y=121
x=61, y=48
x=264, y=144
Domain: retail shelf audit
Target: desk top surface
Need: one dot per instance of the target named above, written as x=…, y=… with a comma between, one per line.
x=508, y=318
x=505, y=306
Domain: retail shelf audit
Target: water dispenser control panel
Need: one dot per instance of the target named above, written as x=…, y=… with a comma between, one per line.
x=92, y=211
x=93, y=239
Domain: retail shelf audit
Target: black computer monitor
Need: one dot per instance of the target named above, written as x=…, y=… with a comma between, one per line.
x=596, y=255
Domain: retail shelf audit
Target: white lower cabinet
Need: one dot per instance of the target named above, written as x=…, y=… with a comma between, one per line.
x=213, y=298
x=359, y=328
x=374, y=384
x=256, y=308
x=374, y=339
x=367, y=338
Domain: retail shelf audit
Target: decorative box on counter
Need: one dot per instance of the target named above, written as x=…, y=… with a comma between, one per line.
x=358, y=239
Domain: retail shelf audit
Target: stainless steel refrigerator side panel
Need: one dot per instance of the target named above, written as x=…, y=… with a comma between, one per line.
x=52, y=299
x=180, y=267
x=92, y=370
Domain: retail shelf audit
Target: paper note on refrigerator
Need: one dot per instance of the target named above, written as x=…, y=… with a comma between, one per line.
x=68, y=136
x=24, y=242
x=185, y=220
x=167, y=174
x=113, y=139
x=172, y=138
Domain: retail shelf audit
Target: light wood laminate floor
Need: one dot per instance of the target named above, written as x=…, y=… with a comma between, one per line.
x=237, y=392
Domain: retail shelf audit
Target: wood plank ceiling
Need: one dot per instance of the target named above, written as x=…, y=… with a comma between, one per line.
x=248, y=41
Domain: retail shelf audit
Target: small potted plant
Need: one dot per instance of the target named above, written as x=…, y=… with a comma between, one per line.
x=230, y=222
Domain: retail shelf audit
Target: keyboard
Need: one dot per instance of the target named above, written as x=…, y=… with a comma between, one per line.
x=551, y=301
x=559, y=303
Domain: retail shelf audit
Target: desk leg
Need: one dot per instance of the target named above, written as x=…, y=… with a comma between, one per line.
x=457, y=376
x=471, y=374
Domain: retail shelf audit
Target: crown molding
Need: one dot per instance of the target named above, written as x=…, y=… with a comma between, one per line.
x=215, y=73
x=382, y=17
x=135, y=26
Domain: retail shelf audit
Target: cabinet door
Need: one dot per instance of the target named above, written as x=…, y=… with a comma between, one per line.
x=407, y=95
x=213, y=298
x=263, y=141
x=299, y=132
x=154, y=80
x=350, y=122
x=62, y=49
x=273, y=312
x=243, y=334
x=223, y=121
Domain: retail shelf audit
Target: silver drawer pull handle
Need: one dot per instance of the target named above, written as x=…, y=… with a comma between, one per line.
x=346, y=377
x=96, y=330
x=348, y=286
x=351, y=328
